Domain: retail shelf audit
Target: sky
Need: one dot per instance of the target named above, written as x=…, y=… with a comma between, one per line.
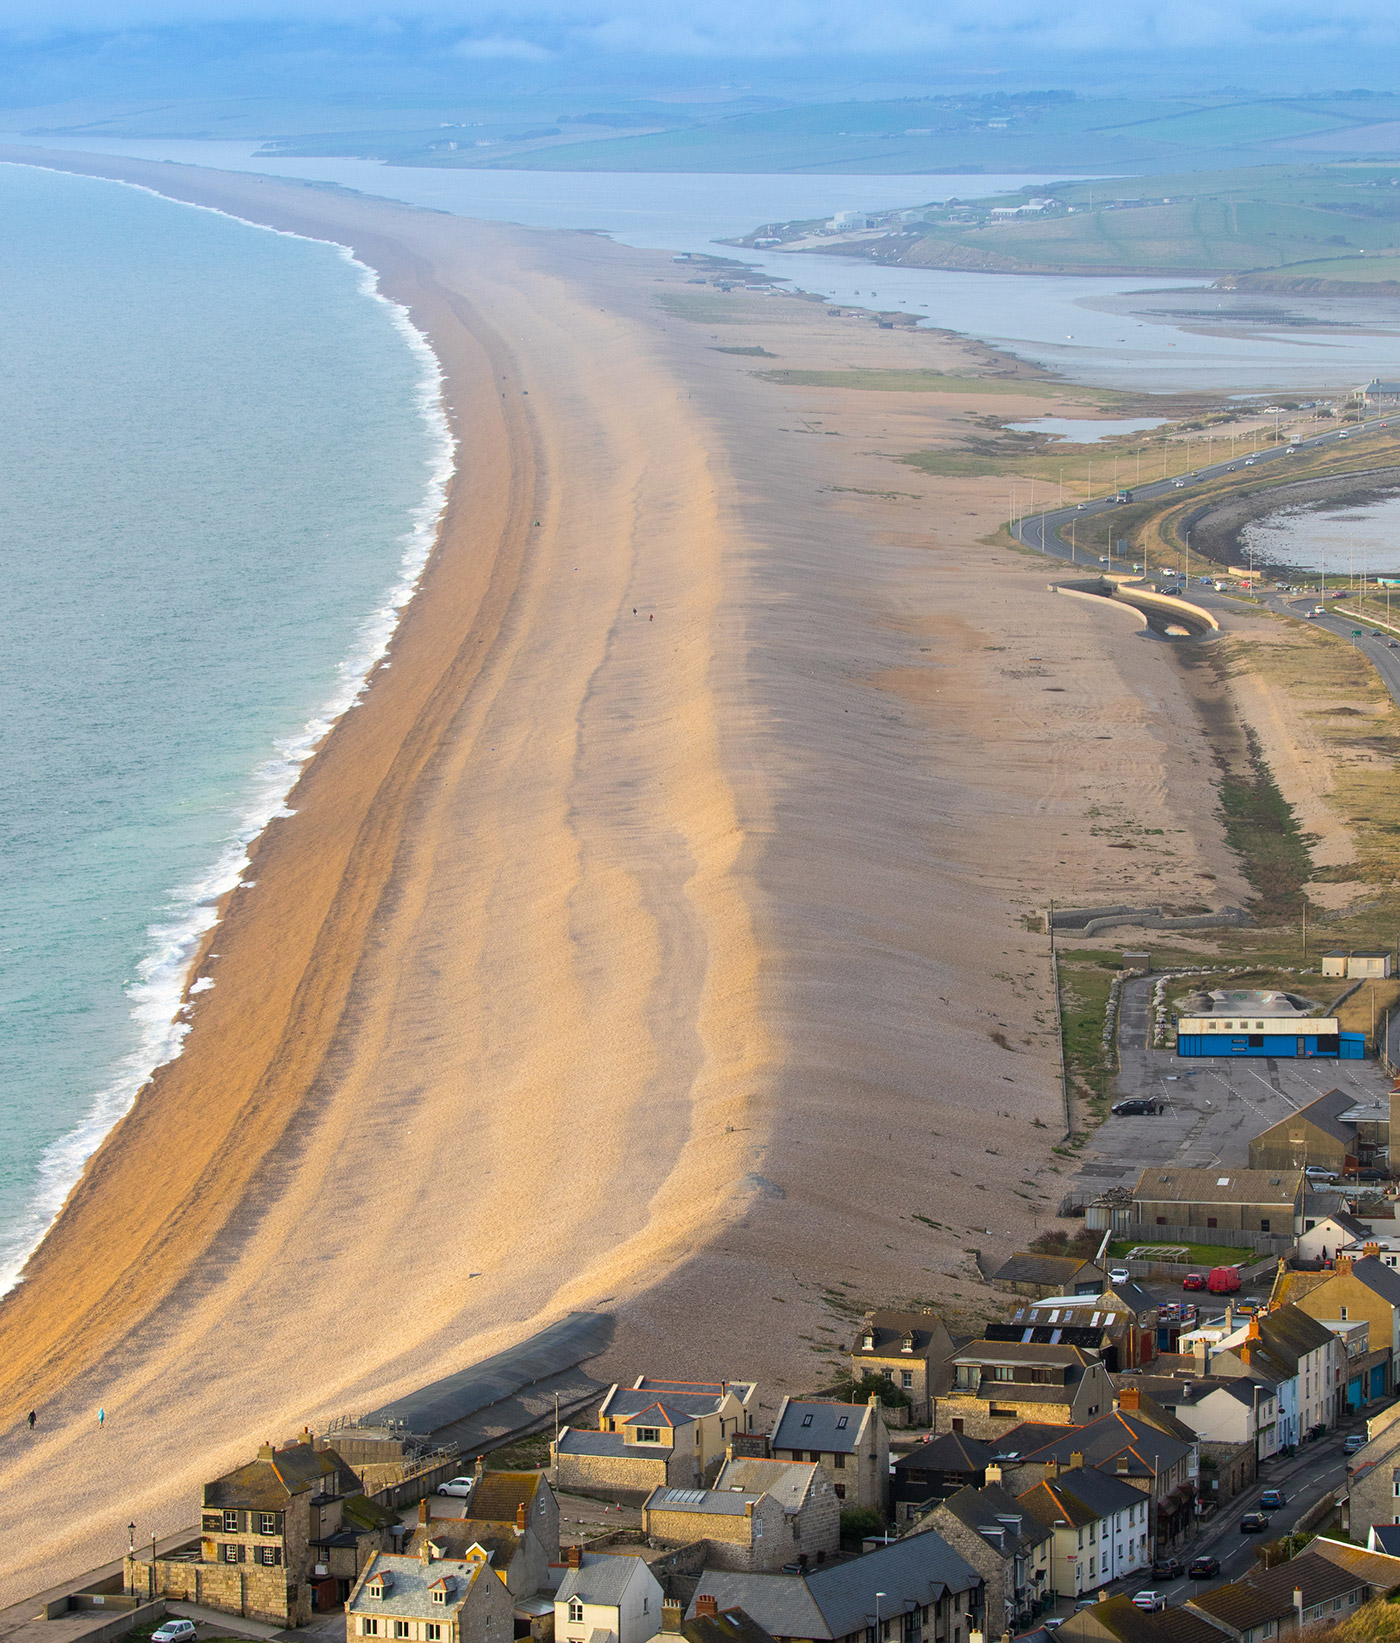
x=1286, y=45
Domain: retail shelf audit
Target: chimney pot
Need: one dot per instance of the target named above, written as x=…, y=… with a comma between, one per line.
x=706, y=1604
x=425, y=1511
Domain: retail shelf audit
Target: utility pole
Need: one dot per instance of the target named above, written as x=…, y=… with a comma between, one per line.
x=1305, y=931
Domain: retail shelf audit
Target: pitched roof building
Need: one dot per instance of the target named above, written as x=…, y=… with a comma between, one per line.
x=849, y=1440
x=1035, y=1275
x=999, y=1383
x=1268, y=1201
x=1008, y=1546
x=909, y=1349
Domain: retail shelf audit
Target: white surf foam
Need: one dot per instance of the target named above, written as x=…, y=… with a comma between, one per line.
x=158, y=995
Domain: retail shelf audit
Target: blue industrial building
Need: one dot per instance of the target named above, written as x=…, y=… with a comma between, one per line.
x=1287, y=1041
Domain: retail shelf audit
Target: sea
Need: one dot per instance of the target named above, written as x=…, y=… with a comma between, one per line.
x=222, y=458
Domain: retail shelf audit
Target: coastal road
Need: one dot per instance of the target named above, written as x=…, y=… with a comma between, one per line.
x=1042, y=531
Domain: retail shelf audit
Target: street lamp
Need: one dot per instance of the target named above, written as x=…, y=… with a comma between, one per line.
x=878, y=1596
x=131, y=1539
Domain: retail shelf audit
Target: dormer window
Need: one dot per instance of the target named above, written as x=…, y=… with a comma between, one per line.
x=575, y=1610
x=867, y=1340
x=907, y=1344
x=439, y=1594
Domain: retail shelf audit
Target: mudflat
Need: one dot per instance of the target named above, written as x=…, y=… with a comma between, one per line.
x=652, y=935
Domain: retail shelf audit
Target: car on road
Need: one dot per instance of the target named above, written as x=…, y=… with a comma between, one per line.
x=1230, y=469
x=457, y=1486
x=1193, y=1280
x=1149, y=1602
x=1377, y=634
x=1119, y=1275
x=1168, y=1568
x=1052, y=1623
x=1249, y=462
x=1395, y=644
x=1319, y=1172
x=1354, y=1441
x=1289, y=450
x=174, y=1631
x=1272, y=1500
x=1203, y=1568
x=1253, y=1523
x=1178, y=484
x=1135, y=1106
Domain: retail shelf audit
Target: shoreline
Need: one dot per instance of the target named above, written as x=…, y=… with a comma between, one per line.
x=178, y=944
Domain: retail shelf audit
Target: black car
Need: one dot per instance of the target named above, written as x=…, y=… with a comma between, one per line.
x=1253, y=1523
x=1203, y=1568
x=1168, y=1568
x=1136, y=1107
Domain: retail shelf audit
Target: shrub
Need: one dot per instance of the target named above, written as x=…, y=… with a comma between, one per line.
x=859, y=1521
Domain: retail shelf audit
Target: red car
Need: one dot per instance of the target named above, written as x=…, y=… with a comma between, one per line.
x=1193, y=1280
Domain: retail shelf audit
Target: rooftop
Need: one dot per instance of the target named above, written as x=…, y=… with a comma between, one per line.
x=409, y=1582
x=788, y=1481
x=600, y=1579
x=1160, y=1184
x=708, y=1502
x=813, y=1424
x=1027, y=1268
x=268, y=1482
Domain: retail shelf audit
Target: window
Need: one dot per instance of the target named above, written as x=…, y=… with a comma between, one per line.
x=906, y=1378
x=839, y=1462
x=433, y=1632
x=1211, y=1221
x=269, y=1556
x=230, y=1523
x=806, y=1420
x=1264, y=1224
x=840, y=1491
x=811, y=1455
x=369, y=1628
x=575, y=1609
x=841, y=1422
x=1344, y=1314
x=648, y=1434
x=267, y=1523
x=1161, y=1220
x=400, y=1628
x=234, y=1554
x=1002, y=1411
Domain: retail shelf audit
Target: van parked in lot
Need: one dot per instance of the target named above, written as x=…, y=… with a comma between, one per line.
x=1223, y=1280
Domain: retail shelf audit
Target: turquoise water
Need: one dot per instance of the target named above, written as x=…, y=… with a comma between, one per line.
x=221, y=460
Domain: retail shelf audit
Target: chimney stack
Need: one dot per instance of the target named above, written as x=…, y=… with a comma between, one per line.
x=1370, y=1250
x=1344, y=1264
x=575, y=1558
x=672, y=1614
x=1076, y=1461
x=266, y=1451
x=993, y=1473
x=425, y=1511
x=1130, y=1397
x=520, y=1515
x=706, y=1605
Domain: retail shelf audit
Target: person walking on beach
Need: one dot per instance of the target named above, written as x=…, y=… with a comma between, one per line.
x=101, y=1417
x=32, y=1418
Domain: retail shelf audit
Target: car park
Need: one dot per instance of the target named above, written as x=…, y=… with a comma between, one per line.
x=1253, y=1523
x=1203, y=1568
x=1149, y=1602
x=1193, y=1280
x=1168, y=1568
x=1354, y=1441
x=1272, y=1500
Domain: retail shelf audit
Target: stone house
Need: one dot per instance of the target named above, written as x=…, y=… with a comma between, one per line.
x=909, y=1349
x=1007, y=1545
x=850, y=1441
x=1269, y=1201
x=654, y=1434
x=605, y=1599
x=998, y=1383
x=514, y=1550
x=1026, y=1273
x=811, y=1511
x=429, y=1599
x=1315, y=1134
x=916, y=1590
x=739, y=1529
x=932, y=1471
x=276, y=1539
x=1098, y=1525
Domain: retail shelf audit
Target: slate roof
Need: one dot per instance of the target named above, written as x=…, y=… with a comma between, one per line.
x=365, y=1514
x=788, y=1481
x=1325, y=1113
x=1118, y=1433
x=1027, y=1268
x=1290, y=1334
x=890, y=1330
x=840, y=1599
x=732, y=1626
x=411, y=1582
x=1051, y=1504
x=1387, y=1537
x=709, y=1502
x=1052, y=1334
x=1377, y=1276
x=456, y=1536
x=1028, y=1438
x=1349, y=1224
x=602, y=1579
x=833, y=1428
x=1100, y=1492
x=581, y=1440
x=683, y=1401
x=986, y=1508
x=1164, y=1184
x=1069, y=1358
x=1133, y=1297
x=953, y=1452
x=268, y=1484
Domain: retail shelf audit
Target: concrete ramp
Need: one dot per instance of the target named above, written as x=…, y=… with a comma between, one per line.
x=460, y=1402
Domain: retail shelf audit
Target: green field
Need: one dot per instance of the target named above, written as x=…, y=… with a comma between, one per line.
x=1198, y=1255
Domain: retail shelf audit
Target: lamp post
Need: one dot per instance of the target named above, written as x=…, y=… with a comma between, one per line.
x=878, y=1596
x=131, y=1553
